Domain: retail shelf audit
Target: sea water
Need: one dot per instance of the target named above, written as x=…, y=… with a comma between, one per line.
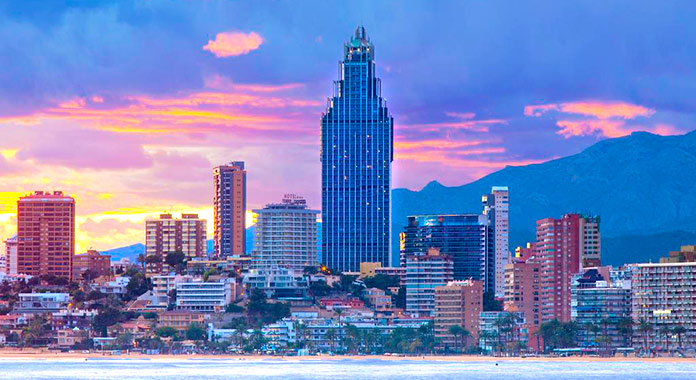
x=213, y=369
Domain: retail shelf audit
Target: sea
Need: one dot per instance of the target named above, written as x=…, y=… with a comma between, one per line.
x=203, y=369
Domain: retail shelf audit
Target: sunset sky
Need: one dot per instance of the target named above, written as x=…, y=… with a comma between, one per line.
x=128, y=106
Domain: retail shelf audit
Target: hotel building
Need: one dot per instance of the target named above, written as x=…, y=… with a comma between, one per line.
x=286, y=235
x=664, y=295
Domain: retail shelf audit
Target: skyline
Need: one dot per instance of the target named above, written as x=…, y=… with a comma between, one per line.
x=157, y=102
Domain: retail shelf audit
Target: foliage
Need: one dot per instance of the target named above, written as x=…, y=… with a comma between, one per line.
x=233, y=308
x=195, y=333
x=137, y=285
x=107, y=317
x=382, y=281
x=400, y=299
x=319, y=289
x=176, y=260
x=261, y=311
x=558, y=334
x=166, y=332
x=490, y=303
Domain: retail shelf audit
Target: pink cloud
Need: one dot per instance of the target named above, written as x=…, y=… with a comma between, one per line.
x=600, y=110
x=608, y=128
x=608, y=119
x=231, y=44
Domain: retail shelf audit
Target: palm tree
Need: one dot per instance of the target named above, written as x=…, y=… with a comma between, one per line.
x=605, y=322
x=645, y=327
x=625, y=327
x=456, y=330
x=141, y=259
x=678, y=331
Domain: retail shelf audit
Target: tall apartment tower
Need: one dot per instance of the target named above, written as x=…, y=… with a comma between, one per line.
x=424, y=273
x=497, y=206
x=561, y=248
x=286, y=235
x=229, y=201
x=45, y=234
x=459, y=303
x=357, y=141
x=168, y=234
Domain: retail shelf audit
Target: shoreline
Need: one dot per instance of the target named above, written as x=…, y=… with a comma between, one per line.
x=47, y=355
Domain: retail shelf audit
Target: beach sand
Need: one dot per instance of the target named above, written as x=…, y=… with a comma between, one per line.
x=39, y=354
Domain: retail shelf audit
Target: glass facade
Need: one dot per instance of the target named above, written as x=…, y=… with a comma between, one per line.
x=464, y=237
x=356, y=156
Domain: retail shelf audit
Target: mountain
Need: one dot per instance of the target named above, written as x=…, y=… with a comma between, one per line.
x=641, y=185
x=129, y=252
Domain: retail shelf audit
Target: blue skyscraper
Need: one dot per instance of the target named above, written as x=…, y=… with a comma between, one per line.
x=357, y=147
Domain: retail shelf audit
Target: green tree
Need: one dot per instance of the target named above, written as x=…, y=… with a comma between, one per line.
x=142, y=259
x=382, y=281
x=107, y=317
x=625, y=328
x=175, y=260
x=137, y=285
x=166, y=332
x=456, y=331
x=195, y=333
x=490, y=303
x=319, y=289
x=645, y=327
x=679, y=331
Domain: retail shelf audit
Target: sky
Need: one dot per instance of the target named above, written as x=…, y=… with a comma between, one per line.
x=128, y=105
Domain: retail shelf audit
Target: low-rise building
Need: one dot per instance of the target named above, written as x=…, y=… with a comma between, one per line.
x=92, y=261
x=277, y=282
x=163, y=285
x=179, y=319
x=69, y=337
x=378, y=298
x=41, y=303
x=341, y=303
x=207, y=297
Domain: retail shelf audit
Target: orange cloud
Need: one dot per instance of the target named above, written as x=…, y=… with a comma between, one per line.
x=231, y=44
x=600, y=110
x=608, y=128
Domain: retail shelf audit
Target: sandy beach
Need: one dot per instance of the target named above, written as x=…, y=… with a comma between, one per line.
x=37, y=354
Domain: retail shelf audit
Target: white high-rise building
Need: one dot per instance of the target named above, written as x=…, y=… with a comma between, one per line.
x=286, y=235
x=10, y=256
x=496, y=206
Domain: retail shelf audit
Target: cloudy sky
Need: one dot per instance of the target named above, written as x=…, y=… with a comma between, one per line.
x=128, y=106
